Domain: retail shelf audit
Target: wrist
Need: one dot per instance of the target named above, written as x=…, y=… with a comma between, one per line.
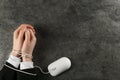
x=16, y=53
x=13, y=54
x=26, y=59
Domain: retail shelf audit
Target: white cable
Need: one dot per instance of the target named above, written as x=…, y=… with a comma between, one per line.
x=27, y=72
x=41, y=70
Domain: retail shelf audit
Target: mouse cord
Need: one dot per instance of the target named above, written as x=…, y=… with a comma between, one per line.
x=42, y=70
x=20, y=70
x=27, y=72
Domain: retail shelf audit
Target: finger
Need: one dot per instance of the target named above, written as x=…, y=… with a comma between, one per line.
x=33, y=37
x=16, y=33
x=19, y=28
x=21, y=34
x=27, y=35
x=32, y=29
x=29, y=27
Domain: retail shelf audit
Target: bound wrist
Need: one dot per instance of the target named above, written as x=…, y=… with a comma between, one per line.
x=16, y=53
x=27, y=57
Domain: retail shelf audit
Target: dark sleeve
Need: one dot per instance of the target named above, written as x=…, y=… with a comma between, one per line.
x=30, y=75
x=7, y=73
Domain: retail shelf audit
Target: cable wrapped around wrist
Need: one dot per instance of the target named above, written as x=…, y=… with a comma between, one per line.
x=17, y=52
x=26, y=55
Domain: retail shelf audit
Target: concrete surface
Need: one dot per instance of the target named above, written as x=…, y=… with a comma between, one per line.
x=86, y=31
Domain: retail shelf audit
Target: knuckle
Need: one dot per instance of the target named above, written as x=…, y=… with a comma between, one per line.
x=26, y=25
x=22, y=24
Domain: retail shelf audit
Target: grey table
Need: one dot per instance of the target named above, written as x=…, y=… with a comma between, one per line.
x=86, y=31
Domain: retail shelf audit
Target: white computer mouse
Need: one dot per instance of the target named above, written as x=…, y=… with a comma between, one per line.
x=59, y=66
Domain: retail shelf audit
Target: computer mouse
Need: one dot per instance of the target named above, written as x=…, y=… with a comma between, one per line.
x=59, y=66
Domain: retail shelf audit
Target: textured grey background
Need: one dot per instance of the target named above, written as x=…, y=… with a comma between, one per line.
x=86, y=31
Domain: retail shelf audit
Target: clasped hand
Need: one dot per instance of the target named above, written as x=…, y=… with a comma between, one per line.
x=24, y=41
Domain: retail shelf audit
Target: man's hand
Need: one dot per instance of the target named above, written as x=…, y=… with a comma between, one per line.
x=19, y=37
x=28, y=44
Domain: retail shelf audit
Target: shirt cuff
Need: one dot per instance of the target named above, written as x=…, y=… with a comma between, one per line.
x=14, y=61
x=26, y=65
